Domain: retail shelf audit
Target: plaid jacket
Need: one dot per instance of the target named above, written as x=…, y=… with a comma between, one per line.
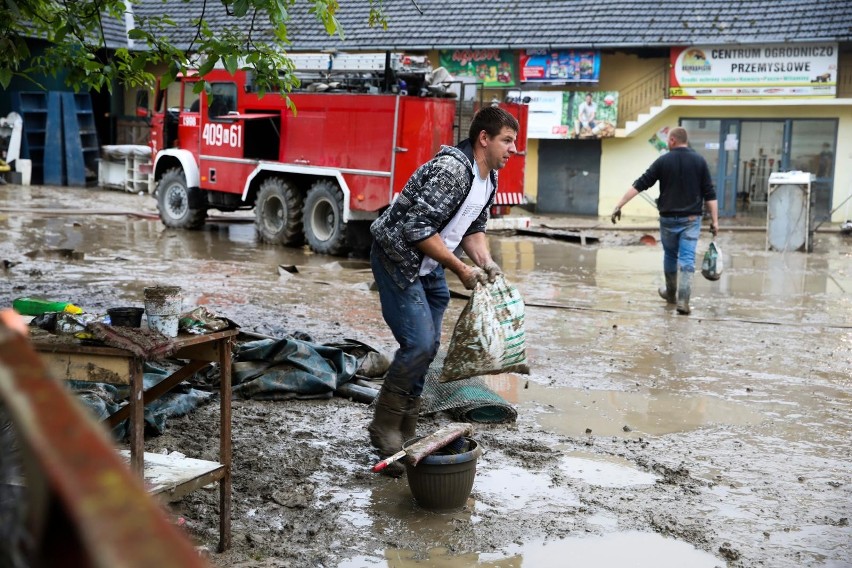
x=426, y=204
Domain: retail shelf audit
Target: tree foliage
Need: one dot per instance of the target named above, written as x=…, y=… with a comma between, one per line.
x=255, y=38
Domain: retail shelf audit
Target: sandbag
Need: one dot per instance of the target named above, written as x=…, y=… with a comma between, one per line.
x=711, y=267
x=489, y=335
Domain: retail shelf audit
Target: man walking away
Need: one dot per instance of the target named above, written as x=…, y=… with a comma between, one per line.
x=443, y=207
x=685, y=186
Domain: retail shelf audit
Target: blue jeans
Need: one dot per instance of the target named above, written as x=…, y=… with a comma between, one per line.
x=414, y=315
x=679, y=236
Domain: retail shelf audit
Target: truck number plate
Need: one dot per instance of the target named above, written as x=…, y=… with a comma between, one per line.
x=216, y=134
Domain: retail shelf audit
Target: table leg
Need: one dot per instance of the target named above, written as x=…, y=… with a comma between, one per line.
x=137, y=419
x=225, y=444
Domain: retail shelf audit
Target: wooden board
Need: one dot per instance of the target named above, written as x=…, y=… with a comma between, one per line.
x=174, y=476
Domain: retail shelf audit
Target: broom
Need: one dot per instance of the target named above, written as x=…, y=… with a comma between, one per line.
x=428, y=444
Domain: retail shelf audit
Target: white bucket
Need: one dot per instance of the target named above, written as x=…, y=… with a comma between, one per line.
x=25, y=167
x=163, y=307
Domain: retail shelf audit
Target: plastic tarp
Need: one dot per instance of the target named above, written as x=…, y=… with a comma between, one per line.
x=104, y=399
x=280, y=369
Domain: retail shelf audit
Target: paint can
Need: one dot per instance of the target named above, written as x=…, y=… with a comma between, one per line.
x=163, y=306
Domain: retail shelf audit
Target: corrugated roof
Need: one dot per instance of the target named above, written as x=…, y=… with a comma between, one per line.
x=515, y=24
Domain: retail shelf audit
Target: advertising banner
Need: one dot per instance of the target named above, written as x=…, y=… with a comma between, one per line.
x=560, y=67
x=494, y=67
x=758, y=71
x=565, y=114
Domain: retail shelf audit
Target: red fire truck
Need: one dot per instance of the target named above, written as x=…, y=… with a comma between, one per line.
x=317, y=174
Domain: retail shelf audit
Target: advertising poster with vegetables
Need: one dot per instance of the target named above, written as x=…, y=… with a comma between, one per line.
x=560, y=67
x=594, y=114
x=566, y=114
x=754, y=71
x=493, y=67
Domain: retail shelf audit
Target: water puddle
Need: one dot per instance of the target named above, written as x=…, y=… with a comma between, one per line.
x=509, y=488
x=604, y=471
x=617, y=413
x=634, y=549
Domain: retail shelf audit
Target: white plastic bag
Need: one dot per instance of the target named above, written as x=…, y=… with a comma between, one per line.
x=489, y=335
x=712, y=266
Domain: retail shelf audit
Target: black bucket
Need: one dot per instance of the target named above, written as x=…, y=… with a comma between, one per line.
x=442, y=482
x=126, y=317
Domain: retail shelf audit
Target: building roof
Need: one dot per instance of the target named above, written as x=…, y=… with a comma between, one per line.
x=516, y=24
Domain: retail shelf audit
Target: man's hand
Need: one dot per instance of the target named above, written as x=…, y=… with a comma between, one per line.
x=473, y=276
x=616, y=215
x=492, y=270
x=714, y=229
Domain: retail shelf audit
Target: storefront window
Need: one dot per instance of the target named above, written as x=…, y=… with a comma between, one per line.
x=760, y=147
x=812, y=149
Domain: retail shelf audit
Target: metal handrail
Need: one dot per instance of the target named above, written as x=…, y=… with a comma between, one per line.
x=642, y=94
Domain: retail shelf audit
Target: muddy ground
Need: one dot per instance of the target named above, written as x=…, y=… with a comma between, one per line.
x=643, y=438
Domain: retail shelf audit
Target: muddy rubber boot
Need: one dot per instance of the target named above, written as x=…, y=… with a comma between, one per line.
x=668, y=291
x=684, y=289
x=409, y=421
x=385, y=429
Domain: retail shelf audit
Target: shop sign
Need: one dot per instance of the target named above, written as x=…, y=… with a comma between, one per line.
x=557, y=114
x=754, y=71
x=493, y=67
x=560, y=67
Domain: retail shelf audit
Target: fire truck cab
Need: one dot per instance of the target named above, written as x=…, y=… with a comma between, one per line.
x=318, y=173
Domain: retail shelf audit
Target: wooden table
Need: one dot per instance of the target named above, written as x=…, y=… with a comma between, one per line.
x=172, y=478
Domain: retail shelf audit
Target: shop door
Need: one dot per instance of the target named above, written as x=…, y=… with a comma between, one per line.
x=761, y=154
x=707, y=137
x=727, y=174
x=569, y=173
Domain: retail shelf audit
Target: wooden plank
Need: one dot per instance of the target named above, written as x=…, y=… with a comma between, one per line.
x=91, y=368
x=174, y=476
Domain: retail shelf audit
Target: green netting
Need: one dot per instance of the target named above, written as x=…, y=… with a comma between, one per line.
x=467, y=400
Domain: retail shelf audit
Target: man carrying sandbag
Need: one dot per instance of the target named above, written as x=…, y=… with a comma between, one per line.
x=443, y=206
x=685, y=186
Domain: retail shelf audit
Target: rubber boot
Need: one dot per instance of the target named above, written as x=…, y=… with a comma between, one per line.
x=386, y=428
x=668, y=292
x=409, y=421
x=684, y=289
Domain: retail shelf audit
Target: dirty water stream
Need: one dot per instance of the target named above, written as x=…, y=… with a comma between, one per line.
x=643, y=438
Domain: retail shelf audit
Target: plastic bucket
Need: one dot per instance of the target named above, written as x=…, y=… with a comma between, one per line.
x=442, y=481
x=163, y=306
x=125, y=317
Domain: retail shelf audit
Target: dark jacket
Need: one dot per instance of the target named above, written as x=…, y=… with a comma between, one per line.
x=685, y=182
x=426, y=204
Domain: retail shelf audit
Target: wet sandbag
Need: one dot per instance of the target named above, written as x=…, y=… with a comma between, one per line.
x=489, y=335
x=712, y=265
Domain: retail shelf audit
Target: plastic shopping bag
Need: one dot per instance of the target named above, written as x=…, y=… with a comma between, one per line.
x=489, y=335
x=711, y=268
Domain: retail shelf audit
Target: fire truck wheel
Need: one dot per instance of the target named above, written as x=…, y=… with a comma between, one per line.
x=175, y=202
x=278, y=213
x=324, y=226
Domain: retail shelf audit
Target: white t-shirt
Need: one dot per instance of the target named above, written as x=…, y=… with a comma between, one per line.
x=468, y=213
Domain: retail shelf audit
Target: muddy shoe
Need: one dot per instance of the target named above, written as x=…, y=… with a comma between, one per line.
x=668, y=291
x=386, y=428
x=684, y=290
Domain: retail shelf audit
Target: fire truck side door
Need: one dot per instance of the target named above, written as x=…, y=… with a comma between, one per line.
x=222, y=163
x=189, y=123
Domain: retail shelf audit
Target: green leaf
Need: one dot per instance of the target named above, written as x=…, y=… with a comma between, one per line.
x=208, y=65
x=231, y=62
x=241, y=8
x=5, y=77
